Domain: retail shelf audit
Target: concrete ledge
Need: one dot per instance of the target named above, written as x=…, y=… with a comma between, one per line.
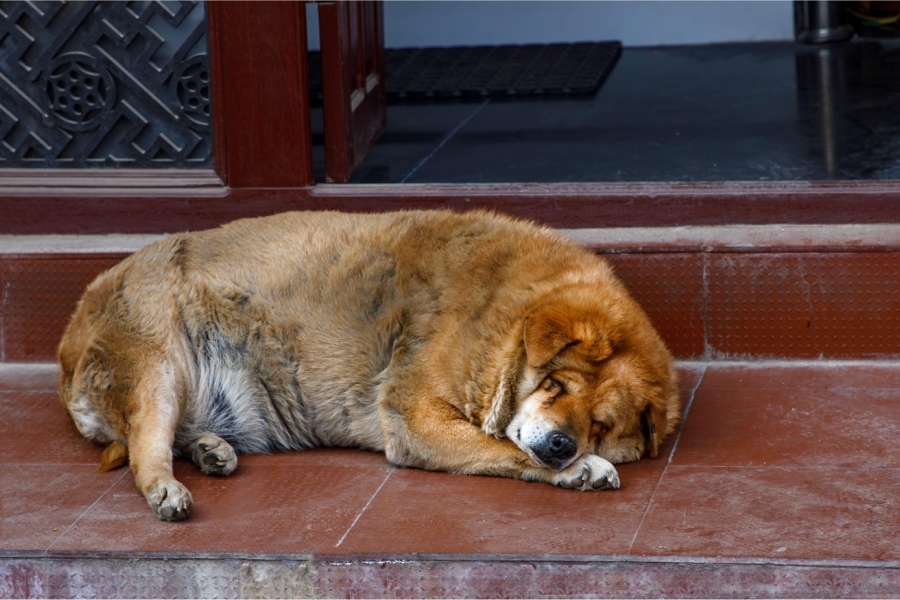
x=725, y=238
x=742, y=238
x=438, y=577
x=75, y=244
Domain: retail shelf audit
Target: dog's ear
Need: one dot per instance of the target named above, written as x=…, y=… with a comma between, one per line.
x=654, y=422
x=548, y=332
x=499, y=412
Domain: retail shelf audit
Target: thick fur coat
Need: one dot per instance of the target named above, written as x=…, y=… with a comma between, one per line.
x=469, y=343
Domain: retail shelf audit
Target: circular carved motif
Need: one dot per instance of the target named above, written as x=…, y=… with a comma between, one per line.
x=78, y=91
x=190, y=83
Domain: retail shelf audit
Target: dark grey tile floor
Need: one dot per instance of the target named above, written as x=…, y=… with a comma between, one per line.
x=726, y=112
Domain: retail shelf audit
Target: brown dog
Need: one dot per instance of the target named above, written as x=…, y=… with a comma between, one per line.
x=469, y=343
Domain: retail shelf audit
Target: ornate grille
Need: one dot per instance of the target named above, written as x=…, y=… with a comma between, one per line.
x=104, y=84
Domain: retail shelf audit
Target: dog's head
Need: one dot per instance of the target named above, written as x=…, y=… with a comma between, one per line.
x=595, y=379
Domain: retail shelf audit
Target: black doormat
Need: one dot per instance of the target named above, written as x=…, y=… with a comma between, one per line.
x=423, y=74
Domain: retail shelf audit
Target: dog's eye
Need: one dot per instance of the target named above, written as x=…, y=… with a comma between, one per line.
x=598, y=430
x=553, y=387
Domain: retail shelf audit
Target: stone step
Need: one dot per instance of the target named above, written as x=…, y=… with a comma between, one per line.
x=715, y=293
x=440, y=576
x=780, y=482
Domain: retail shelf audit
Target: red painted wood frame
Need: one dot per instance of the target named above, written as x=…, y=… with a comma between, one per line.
x=261, y=128
x=260, y=86
x=355, y=105
x=77, y=207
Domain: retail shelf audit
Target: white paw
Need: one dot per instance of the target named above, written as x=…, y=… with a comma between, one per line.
x=588, y=473
x=171, y=501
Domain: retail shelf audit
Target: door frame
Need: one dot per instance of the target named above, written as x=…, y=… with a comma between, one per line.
x=353, y=87
x=260, y=94
x=263, y=165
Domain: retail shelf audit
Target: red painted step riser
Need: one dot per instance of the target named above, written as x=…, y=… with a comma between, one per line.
x=715, y=305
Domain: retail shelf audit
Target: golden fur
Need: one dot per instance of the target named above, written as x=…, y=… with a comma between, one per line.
x=469, y=343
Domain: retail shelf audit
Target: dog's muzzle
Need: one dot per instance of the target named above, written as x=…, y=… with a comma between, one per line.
x=555, y=450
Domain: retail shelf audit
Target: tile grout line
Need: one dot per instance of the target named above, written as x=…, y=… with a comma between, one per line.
x=365, y=508
x=707, y=353
x=87, y=510
x=443, y=142
x=687, y=411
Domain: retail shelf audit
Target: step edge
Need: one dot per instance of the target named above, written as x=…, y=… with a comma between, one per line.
x=725, y=238
x=75, y=244
x=741, y=238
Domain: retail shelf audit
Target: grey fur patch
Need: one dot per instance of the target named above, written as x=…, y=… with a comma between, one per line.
x=88, y=420
x=233, y=402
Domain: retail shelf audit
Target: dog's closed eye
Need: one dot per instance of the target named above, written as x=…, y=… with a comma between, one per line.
x=598, y=430
x=553, y=387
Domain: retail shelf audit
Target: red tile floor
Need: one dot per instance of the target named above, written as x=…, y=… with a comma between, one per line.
x=784, y=480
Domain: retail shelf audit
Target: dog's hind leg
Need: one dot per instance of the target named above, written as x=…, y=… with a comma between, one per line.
x=151, y=436
x=212, y=454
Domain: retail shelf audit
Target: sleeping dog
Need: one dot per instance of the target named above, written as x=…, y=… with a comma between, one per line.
x=469, y=343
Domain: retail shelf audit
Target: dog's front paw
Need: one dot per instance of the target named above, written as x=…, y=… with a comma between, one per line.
x=170, y=500
x=588, y=473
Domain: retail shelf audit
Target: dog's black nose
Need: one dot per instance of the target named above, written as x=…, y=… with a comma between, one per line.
x=556, y=449
x=561, y=446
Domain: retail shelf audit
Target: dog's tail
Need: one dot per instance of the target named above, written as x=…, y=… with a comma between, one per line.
x=114, y=456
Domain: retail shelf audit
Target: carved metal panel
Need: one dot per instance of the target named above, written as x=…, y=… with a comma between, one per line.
x=104, y=84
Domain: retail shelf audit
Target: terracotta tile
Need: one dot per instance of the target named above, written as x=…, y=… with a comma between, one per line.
x=260, y=508
x=38, y=503
x=762, y=421
x=318, y=457
x=688, y=379
x=30, y=377
x=689, y=375
x=668, y=446
x=804, y=305
x=36, y=429
x=774, y=512
x=428, y=512
x=39, y=297
x=827, y=375
x=669, y=286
